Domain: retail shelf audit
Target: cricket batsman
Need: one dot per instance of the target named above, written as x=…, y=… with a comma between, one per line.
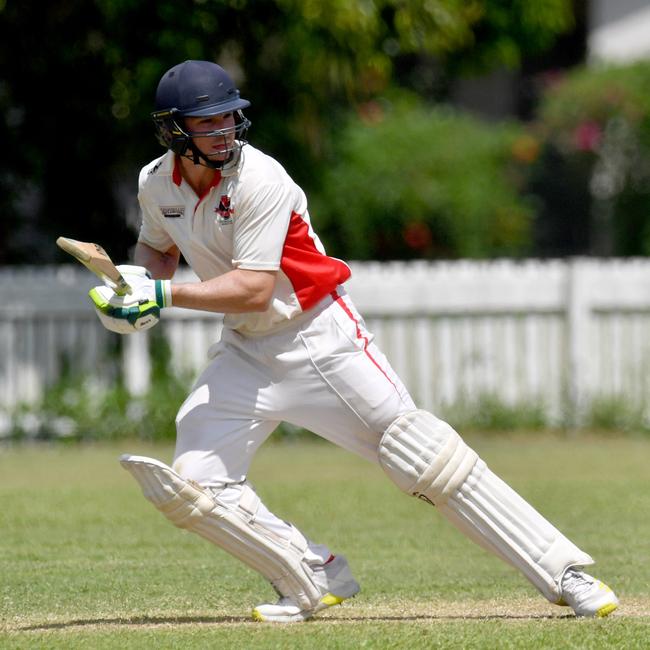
x=294, y=349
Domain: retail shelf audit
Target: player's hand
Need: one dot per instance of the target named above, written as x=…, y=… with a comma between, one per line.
x=136, y=312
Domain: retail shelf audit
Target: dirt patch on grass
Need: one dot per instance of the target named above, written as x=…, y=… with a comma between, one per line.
x=508, y=609
x=398, y=611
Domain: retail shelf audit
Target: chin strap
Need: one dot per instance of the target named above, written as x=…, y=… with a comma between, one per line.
x=199, y=159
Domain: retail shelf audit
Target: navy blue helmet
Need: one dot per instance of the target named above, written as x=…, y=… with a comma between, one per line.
x=198, y=89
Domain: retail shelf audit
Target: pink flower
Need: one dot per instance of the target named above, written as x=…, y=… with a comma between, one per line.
x=587, y=136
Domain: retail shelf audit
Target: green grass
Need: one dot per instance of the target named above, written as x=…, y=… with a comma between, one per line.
x=86, y=562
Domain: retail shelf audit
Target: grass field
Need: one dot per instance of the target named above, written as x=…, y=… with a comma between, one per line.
x=86, y=562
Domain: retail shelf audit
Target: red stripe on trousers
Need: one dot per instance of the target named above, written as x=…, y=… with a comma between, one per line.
x=360, y=336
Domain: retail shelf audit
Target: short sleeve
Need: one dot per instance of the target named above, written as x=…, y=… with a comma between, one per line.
x=261, y=227
x=152, y=231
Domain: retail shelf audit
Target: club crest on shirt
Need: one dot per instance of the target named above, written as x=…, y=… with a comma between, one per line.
x=224, y=210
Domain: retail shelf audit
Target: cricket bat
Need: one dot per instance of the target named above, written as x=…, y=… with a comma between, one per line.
x=96, y=259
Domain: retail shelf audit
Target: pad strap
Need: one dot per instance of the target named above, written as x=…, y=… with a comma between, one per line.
x=425, y=466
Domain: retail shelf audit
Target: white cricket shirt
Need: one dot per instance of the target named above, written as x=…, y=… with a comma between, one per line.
x=252, y=217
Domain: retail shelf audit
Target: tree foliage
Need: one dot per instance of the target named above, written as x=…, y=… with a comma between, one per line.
x=79, y=78
x=417, y=182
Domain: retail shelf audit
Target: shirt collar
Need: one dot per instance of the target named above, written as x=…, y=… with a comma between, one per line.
x=177, y=177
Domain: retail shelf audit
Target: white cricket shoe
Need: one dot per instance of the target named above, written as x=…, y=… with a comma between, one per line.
x=587, y=595
x=336, y=582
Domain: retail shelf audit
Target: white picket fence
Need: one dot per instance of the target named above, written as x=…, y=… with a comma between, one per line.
x=557, y=333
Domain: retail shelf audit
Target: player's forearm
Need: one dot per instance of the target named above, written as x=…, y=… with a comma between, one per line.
x=162, y=266
x=235, y=292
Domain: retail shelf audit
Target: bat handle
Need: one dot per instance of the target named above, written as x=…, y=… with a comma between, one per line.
x=121, y=287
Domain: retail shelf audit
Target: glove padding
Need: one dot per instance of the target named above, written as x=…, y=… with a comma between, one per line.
x=136, y=312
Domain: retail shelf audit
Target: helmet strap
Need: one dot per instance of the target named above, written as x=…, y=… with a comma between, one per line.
x=199, y=158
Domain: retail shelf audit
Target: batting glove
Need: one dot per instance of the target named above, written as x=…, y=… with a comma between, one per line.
x=136, y=312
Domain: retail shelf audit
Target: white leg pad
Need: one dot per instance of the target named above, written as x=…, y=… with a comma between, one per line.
x=426, y=458
x=234, y=528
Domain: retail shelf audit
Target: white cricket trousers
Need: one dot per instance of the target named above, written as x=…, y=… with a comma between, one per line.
x=322, y=373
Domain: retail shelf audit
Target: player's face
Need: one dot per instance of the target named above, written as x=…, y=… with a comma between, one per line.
x=214, y=135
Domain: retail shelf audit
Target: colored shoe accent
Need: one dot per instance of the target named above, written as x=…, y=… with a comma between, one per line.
x=336, y=582
x=587, y=595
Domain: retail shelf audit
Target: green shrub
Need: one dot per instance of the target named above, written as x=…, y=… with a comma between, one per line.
x=90, y=407
x=414, y=182
x=81, y=410
x=617, y=413
x=488, y=412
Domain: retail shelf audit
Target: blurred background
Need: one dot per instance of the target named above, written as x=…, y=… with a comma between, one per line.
x=485, y=165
